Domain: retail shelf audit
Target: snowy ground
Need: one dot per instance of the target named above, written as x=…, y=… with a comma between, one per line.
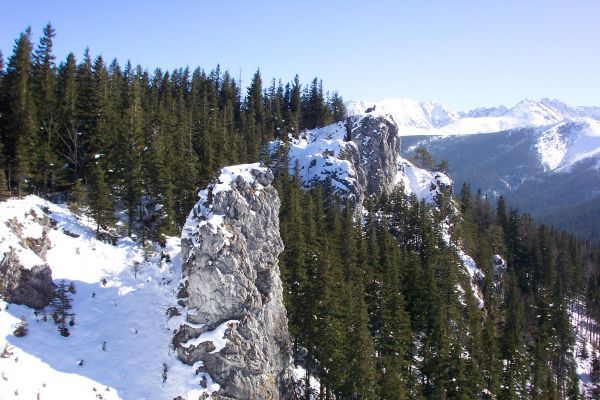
x=119, y=347
x=583, y=348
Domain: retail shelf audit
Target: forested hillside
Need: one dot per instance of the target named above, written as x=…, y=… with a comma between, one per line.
x=380, y=305
x=382, y=309
x=111, y=135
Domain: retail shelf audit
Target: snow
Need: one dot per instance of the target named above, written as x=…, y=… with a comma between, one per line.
x=201, y=215
x=121, y=342
x=299, y=376
x=419, y=182
x=582, y=328
x=433, y=118
x=216, y=336
x=475, y=273
x=318, y=155
x=230, y=174
x=565, y=144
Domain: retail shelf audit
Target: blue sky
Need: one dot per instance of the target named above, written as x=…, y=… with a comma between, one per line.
x=462, y=53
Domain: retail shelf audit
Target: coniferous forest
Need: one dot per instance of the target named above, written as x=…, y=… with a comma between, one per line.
x=378, y=308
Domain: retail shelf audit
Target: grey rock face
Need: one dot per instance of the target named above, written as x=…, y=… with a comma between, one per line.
x=378, y=147
x=235, y=320
x=31, y=287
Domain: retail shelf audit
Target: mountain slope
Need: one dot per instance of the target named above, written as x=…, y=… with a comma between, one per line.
x=550, y=172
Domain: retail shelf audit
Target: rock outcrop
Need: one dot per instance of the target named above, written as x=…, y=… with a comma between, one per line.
x=31, y=287
x=29, y=283
x=233, y=324
x=359, y=157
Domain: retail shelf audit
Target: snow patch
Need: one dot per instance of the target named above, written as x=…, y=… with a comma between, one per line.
x=217, y=336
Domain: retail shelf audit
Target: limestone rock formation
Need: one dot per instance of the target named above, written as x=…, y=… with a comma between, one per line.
x=31, y=287
x=359, y=157
x=27, y=284
x=233, y=323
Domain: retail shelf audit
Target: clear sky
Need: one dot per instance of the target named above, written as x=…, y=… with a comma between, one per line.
x=462, y=53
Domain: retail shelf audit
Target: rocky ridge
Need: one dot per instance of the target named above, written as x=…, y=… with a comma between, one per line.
x=359, y=157
x=233, y=324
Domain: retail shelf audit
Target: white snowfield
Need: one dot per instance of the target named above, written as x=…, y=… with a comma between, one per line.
x=568, y=143
x=119, y=347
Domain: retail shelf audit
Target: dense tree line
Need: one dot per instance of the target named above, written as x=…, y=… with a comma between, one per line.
x=382, y=310
x=109, y=136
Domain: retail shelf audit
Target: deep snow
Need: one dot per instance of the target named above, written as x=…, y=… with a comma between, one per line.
x=119, y=347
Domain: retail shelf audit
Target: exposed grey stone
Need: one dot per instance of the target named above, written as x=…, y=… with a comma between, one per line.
x=31, y=287
x=230, y=247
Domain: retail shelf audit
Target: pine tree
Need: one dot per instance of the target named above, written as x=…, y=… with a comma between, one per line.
x=254, y=117
x=46, y=165
x=336, y=106
x=361, y=381
x=4, y=192
x=295, y=106
x=131, y=143
x=101, y=205
x=69, y=148
x=19, y=124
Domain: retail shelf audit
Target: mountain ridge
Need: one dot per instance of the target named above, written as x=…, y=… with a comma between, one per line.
x=433, y=118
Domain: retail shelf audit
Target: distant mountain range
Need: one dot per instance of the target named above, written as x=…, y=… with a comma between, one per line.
x=543, y=156
x=432, y=118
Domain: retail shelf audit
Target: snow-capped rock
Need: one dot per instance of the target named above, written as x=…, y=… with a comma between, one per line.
x=359, y=157
x=234, y=324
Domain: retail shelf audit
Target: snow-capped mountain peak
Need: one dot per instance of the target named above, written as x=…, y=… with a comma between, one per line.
x=432, y=118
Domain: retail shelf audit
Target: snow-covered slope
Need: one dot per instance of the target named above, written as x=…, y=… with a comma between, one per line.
x=568, y=143
x=119, y=347
x=432, y=118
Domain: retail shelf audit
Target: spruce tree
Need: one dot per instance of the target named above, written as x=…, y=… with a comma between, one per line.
x=19, y=125
x=99, y=199
x=46, y=165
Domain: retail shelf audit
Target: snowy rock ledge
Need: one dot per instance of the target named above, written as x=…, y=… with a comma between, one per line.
x=233, y=325
x=358, y=158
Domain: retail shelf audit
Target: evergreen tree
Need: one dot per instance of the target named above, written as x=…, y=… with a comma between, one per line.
x=19, y=125
x=46, y=165
x=131, y=143
x=337, y=108
x=101, y=205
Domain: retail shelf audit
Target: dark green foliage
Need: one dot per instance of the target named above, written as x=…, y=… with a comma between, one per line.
x=424, y=159
x=18, y=116
x=157, y=137
x=99, y=199
x=382, y=309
